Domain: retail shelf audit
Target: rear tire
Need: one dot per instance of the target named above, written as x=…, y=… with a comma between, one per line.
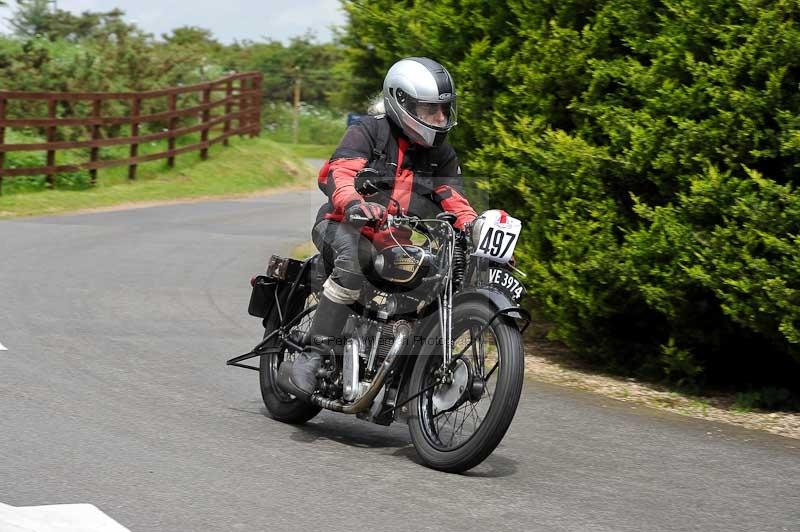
x=282, y=406
x=488, y=413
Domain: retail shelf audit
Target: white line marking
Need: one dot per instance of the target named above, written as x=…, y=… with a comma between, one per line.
x=57, y=518
x=3, y=348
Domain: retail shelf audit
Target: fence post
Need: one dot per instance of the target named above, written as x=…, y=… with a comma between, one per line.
x=206, y=118
x=137, y=108
x=96, y=106
x=257, y=103
x=242, y=106
x=228, y=110
x=51, y=137
x=2, y=141
x=173, y=123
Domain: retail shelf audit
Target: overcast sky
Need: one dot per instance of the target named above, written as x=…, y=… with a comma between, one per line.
x=228, y=19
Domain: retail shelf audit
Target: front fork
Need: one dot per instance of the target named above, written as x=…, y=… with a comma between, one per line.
x=446, y=311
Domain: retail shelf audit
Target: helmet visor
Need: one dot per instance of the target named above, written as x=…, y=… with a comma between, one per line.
x=438, y=115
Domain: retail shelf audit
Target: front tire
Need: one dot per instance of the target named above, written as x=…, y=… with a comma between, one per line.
x=463, y=434
x=282, y=406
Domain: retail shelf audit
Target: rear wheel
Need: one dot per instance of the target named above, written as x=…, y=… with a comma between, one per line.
x=457, y=424
x=283, y=406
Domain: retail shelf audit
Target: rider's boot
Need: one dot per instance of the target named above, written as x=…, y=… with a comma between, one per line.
x=300, y=376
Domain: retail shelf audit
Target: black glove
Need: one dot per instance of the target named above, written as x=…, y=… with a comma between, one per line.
x=362, y=214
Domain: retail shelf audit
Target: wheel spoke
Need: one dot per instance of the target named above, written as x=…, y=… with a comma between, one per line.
x=443, y=424
x=442, y=412
x=460, y=427
x=450, y=428
x=474, y=412
x=476, y=356
x=453, y=431
x=476, y=416
x=486, y=378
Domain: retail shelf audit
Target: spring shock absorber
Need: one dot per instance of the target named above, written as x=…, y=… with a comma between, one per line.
x=459, y=263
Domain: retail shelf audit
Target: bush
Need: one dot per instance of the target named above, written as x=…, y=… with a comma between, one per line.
x=652, y=150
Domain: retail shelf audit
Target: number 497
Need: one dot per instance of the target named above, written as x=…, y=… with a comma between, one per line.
x=496, y=242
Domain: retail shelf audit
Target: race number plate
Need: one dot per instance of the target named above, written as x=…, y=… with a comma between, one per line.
x=507, y=283
x=498, y=236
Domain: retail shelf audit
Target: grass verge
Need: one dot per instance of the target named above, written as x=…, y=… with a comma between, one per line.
x=553, y=363
x=303, y=251
x=311, y=151
x=246, y=166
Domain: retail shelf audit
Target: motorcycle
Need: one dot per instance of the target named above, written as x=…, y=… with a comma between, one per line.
x=434, y=341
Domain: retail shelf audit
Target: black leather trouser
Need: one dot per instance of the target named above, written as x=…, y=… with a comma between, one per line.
x=339, y=244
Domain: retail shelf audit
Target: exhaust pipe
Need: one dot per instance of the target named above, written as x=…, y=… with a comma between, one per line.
x=402, y=333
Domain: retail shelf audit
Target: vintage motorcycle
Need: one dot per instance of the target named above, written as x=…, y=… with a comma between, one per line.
x=434, y=340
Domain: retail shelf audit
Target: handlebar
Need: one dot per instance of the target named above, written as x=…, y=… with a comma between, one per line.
x=396, y=220
x=391, y=220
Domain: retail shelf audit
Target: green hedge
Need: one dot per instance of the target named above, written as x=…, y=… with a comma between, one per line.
x=656, y=149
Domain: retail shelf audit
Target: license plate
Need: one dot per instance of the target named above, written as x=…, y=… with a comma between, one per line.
x=507, y=283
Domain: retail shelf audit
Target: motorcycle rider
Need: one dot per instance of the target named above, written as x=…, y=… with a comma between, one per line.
x=406, y=146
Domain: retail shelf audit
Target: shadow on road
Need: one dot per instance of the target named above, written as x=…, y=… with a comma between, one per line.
x=363, y=436
x=346, y=432
x=496, y=466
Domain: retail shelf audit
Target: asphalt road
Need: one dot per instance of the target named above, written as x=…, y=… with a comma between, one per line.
x=114, y=391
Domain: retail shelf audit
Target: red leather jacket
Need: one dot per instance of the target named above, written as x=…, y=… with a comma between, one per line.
x=425, y=181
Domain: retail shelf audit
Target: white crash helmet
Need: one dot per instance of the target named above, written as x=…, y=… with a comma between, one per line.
x=420, y=97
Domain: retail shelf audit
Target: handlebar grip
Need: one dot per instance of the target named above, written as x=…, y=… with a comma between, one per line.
x=358, y=221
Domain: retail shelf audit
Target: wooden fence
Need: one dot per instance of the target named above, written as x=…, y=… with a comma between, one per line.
x=241, y=114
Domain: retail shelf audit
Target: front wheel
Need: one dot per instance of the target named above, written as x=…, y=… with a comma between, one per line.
x=455, y=425
x=283, y=406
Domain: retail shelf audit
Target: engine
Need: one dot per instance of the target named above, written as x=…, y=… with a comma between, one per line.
x=363, y=355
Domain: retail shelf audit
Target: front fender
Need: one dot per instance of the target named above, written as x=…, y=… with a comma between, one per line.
x=502, y=303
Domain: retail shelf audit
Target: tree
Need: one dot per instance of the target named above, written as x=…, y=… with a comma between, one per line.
x=191, y=36
x=31, y=18
x=36, y=18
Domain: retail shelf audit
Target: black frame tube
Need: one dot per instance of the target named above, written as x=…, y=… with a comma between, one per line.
x=257, y=349
x=282, y=325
